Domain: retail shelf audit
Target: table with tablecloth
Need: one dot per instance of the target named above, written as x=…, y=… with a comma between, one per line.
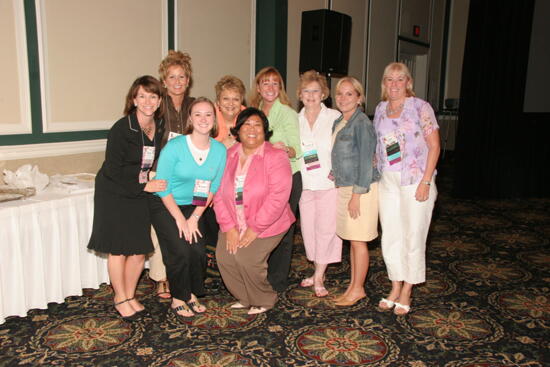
x=43, y=254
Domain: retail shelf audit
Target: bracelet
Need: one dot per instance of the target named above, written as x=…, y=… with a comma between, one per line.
x=196, y=216
x=426, y=182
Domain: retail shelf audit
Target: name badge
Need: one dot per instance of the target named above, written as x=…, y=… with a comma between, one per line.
x=239, y=188
x=200, y=192
x=147, y=159
x=172, y=135
x=311, y=159
x=393, y=150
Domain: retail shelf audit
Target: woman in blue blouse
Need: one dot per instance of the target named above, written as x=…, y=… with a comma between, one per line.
x=193, y=165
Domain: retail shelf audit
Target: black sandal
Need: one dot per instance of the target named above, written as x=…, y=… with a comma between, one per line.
x=196, y=305
x=182, y=307
x=132, y=317
x=143, y=309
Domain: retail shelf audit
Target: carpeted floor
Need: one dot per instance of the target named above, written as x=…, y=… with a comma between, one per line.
x=486, y=304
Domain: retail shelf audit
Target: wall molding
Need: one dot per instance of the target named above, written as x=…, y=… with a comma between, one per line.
x=14, y=152
x=24, y=126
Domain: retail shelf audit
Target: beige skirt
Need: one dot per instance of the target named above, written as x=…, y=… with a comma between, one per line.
x=364, y=227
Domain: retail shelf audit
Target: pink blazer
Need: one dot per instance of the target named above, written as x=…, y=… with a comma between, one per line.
x=265, y=193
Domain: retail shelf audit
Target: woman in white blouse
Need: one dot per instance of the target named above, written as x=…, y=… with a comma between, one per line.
x=319, y=195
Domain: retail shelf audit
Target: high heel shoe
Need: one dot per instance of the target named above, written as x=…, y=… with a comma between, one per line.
x=132, y=317
x=137, y=311
x=348, y=302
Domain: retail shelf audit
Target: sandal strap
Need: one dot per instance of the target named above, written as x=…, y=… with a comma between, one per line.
x=182, y=307
x=121, y=302
x=195, y=305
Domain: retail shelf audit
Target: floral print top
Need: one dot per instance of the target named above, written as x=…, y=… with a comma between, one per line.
x=417, y=121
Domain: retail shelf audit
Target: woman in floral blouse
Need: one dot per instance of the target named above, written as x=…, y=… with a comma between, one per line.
x=407, y=153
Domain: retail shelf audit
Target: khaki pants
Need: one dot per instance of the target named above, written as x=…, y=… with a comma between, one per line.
x=245, y=273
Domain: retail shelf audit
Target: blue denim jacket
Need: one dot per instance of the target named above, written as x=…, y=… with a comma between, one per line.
x=353, y=152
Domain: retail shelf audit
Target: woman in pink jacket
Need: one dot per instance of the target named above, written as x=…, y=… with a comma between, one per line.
x=252, y=210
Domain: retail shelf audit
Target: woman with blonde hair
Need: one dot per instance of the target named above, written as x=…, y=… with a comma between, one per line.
x=319, y=195
x=230, y=92
x=407, y=154
x=175, y=75
x=268, y=95
x=356, y=179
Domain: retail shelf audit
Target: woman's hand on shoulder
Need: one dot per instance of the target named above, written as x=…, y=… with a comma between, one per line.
x=232, y=240
x=155, y=186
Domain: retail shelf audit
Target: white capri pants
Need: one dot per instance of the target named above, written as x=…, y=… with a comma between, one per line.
x=405, y=224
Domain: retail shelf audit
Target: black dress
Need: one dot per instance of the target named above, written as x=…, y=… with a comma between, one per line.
x=122, y=224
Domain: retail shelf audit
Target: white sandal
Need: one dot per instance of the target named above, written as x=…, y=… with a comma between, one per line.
x=388, y=305
x=237, y=305
x=399, y=306
x=256, y=310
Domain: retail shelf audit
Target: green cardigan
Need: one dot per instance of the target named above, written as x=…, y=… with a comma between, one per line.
x=283, y=120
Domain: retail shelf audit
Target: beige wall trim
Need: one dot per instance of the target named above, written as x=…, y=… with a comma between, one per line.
x=13, y=152
x=23, y=126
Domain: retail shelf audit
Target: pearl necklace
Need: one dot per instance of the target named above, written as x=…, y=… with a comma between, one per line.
x=390, y=111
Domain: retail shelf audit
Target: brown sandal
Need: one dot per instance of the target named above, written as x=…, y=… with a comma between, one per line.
x=163, y=290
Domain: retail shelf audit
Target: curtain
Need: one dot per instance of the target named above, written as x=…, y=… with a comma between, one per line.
x=501, y=152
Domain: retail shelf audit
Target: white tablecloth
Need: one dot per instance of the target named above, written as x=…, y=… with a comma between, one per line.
x=43, y=254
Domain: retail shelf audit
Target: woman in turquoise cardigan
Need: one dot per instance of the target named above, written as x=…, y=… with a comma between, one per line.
x=268, y=95
x=193, y=165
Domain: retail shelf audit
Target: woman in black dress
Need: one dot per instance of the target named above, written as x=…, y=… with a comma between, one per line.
x=122, y=225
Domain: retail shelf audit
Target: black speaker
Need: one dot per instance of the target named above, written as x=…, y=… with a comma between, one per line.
x=325, y=42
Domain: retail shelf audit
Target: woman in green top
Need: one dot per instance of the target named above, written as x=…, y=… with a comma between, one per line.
x=268, y=94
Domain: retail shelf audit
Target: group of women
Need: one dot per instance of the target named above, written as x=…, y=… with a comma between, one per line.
x=219, y=173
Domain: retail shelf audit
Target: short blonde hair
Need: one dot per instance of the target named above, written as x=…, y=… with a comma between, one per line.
x=265, y=73
x=230, y=82
x=400, y=68
x=311, y=76
x=356, y=85
x=176, y=58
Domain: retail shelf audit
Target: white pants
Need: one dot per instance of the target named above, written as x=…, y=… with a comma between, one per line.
x=405, y=224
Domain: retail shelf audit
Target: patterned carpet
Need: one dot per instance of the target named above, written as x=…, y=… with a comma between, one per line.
x=486, y=304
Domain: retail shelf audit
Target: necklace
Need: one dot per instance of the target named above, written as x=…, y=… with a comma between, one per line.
x=391, y=111
x=147, y=130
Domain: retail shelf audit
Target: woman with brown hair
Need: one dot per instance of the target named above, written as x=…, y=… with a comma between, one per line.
x=122, y=199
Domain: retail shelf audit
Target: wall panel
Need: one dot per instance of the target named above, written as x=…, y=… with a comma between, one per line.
x=90, y=52
x=14, y=94
x=218, y=36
